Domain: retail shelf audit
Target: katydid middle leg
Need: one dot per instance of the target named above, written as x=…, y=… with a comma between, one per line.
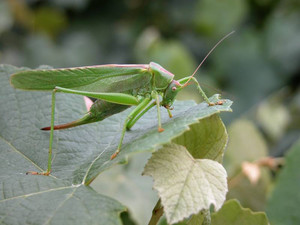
x=133, y=120
x=140, y=107
x=138, y=116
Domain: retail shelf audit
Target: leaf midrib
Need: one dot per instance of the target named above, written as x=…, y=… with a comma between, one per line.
x=24, y=156
x=183, y=186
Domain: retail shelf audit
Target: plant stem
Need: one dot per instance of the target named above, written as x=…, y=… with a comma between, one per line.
x=207, y=217
x=157, y=212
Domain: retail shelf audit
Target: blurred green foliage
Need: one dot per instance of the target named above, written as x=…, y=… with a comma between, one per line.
x=258, y=65
x=261, y=57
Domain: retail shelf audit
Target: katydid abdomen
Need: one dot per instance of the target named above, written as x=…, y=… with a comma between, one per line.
x=98, y=112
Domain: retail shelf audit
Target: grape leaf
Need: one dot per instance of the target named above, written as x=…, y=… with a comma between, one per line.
x=79, y=154
x=184, y=184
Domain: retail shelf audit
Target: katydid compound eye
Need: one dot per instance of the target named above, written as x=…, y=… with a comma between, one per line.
x=173, y=88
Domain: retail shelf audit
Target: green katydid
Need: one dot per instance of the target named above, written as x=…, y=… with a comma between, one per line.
x=115, y=86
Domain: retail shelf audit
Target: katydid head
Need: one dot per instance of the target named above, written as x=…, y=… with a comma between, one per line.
x=170, y=94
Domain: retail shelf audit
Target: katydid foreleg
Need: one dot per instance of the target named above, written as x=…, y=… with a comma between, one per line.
x=50, y=139
x=156, y=97
x=188, y=79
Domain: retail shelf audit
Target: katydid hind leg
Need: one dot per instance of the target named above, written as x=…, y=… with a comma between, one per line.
x=112, y=97
x=47, y=173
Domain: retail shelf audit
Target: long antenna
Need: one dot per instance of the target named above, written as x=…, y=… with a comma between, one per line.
x=226, y=36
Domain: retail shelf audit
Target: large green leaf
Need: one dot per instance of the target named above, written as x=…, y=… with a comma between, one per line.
x=79, y=154
x=283, y=205
x=39, y=199
x=46, y=200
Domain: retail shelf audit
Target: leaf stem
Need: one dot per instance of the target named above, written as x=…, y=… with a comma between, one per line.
x=207, y=217
x=157, y=212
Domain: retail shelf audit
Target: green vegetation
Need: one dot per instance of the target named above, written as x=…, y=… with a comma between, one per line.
x=257, y=67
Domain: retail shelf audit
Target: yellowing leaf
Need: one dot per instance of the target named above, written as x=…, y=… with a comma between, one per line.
x=184, y=184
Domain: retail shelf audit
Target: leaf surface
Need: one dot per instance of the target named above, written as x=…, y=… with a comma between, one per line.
x=206, y=139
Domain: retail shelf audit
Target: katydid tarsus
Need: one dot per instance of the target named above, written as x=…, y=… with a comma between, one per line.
x=115, y=86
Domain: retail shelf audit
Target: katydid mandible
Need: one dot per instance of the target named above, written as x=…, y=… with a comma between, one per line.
x=115, y=86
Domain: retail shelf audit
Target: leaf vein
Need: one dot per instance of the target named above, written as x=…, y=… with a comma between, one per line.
x=37, y=193
x=60, y=205
x=17, y=151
